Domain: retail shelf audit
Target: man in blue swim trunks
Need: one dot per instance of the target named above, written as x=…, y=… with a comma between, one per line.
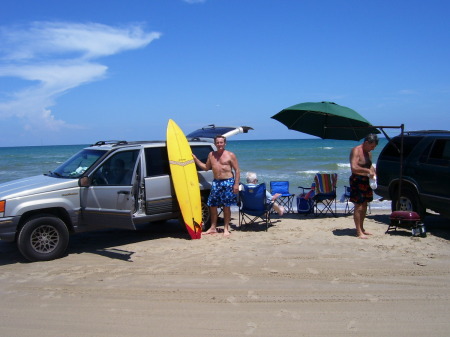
x=225, y=186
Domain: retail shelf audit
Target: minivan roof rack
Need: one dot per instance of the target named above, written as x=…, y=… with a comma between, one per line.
x=110, y=142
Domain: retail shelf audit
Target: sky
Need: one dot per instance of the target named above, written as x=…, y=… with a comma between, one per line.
x=76, y=72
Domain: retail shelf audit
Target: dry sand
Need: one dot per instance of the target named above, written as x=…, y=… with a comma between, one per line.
x=304, y=277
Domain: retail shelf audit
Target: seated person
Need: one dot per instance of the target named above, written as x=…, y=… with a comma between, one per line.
x=252, y=181
x=119, y=173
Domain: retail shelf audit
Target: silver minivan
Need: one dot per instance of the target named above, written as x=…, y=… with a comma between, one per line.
x=110, y=184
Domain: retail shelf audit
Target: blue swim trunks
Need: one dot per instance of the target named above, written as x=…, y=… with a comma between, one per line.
x=222, y=193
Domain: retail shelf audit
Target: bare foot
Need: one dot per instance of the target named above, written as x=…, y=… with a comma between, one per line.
x=367, y=233
x=226, y=233
x=210, y=231
x=362, y=236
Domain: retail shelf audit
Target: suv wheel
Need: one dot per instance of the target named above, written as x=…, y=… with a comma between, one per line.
x=43, y=238
x=409, y=201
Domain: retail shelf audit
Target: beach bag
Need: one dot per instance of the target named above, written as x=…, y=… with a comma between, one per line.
x=305, y=205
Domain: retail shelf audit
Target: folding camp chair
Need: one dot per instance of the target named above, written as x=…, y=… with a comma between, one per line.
x=325, y=193
x=305, y=202
x=286, y=199
x=349, y=208
x=253, y=205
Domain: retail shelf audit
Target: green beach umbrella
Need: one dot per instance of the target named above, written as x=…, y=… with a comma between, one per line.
x=326, y=120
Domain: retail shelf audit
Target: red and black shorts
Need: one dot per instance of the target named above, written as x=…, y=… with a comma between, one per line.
x=360, y=190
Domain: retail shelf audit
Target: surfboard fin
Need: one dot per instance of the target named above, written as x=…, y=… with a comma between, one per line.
x=197, y=228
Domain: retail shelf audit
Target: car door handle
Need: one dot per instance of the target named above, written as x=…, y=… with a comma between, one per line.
x=123, y=192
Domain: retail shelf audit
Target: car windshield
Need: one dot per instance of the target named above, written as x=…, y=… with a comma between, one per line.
x=77, y=164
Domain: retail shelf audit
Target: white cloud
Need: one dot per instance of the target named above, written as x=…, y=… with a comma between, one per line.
x=56, y=57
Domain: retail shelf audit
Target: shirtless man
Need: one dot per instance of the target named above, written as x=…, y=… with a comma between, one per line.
x=360, y=192
x=225, y=186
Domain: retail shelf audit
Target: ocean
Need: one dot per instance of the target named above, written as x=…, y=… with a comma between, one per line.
x=298, y=160
x=294, y=160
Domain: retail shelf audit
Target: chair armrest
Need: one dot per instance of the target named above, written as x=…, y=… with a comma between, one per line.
x=304, y=188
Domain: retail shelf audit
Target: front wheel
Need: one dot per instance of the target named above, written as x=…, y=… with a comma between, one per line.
x=43, y=238
x=409, y=201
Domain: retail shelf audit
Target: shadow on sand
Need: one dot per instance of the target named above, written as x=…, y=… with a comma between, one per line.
x=102, y=242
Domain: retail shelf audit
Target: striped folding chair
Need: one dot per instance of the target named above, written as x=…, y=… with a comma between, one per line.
x=325, y=193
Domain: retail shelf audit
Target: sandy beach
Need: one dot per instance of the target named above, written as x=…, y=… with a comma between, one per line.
x=306, y=276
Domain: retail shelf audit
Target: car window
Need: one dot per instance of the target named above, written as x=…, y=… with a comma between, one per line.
x=201, y=152
x=78, y=164
x=156, y=161
x=440, y=152
x=425, y=154
x=391, y=151
x=116, y=170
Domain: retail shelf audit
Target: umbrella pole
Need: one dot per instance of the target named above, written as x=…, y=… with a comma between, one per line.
x=401, y=165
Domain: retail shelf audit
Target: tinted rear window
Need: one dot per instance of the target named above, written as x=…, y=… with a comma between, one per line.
x=391, y=151
x=201, y=152
x=157, y=160
x=439, y=154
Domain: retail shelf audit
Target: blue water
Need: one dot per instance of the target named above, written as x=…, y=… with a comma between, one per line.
x=294, y=160
x=26, y=161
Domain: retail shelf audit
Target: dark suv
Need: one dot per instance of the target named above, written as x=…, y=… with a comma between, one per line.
x=426, y=172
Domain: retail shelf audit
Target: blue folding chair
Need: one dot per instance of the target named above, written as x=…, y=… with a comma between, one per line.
x=286, y=199
x=253, y=205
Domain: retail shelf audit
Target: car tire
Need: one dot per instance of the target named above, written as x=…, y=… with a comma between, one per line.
x=409, y=201
x=43, y=238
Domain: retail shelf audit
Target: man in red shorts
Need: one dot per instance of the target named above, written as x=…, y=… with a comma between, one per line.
x=360, y=191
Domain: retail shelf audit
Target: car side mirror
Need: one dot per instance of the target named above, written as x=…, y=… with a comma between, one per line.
x=84, y=182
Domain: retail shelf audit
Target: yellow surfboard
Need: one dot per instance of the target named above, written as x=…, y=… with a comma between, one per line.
x=185, y=179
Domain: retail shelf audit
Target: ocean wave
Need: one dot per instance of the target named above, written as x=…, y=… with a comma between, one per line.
x=307, y=172
x=343, y=164
x=277, y=159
